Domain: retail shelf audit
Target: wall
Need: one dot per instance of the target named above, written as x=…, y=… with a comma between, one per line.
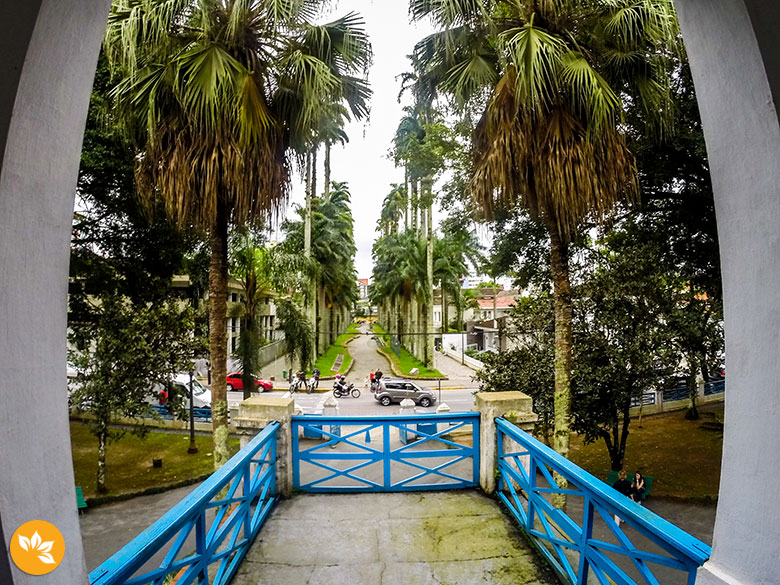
x=730, y=66
x=49, y=50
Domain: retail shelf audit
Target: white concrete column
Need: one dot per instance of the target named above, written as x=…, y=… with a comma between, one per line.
x=735, y=59
x=254, y=414
x=493, y=405
x=49, y=51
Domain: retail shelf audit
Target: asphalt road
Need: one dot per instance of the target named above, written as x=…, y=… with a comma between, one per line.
x=458, y=400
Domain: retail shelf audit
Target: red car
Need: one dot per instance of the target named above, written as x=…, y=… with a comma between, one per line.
x=234, y=383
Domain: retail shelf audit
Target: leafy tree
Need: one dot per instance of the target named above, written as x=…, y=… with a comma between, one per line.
x=122, y=353
x=216, y=94
x=528, y=367
x=128, y=329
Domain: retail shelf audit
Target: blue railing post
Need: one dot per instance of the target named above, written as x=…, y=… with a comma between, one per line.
x=529, y=521
x=587, y=534
x=386, y=468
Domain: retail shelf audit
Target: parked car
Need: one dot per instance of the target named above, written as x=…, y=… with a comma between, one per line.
x=396, y=389
x=234, y=382
x=201, y=396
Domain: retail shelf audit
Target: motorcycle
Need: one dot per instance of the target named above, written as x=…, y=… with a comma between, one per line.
x=313, y=383
x=344, y=390
x=300, y=383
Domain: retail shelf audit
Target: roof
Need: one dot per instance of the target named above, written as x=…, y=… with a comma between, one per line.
x=363, y=281
x=501, y=303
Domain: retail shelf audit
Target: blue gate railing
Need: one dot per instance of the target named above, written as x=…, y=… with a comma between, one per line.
x=585, y=537
x=385, y=454
x=205, y=536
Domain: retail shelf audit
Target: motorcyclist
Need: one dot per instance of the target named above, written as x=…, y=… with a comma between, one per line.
x=300, y=381
x=316, y=377
x=340, y=385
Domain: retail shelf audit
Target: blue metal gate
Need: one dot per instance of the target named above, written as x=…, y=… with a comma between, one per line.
x=385, y=454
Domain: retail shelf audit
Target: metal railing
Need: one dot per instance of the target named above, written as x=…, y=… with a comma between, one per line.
x=205, y=536
x=200, y=414
x=385, y=454
x=714, y=387
x=585, y=538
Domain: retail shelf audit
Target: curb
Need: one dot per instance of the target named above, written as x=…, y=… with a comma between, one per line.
x=97, y=501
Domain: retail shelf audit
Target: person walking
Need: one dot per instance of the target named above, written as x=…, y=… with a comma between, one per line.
x=624, y=487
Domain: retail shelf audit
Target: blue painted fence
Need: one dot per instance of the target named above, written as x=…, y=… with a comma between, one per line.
x=714, y=387
x=385, y=454
x=205, y=536
x=584, y=539
x=199, y=414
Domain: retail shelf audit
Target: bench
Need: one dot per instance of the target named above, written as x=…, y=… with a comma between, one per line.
x=613, y=477
x=80, y=501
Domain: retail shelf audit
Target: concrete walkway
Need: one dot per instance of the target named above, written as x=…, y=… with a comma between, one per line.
x=456, y=537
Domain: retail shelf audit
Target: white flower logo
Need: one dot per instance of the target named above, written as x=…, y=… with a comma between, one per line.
x=36, y=544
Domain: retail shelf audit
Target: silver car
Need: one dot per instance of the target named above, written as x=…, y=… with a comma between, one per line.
x=396, y=389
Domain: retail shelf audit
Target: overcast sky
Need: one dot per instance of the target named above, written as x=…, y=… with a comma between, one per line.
x=363, y=162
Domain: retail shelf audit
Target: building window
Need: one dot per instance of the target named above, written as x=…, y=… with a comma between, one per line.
x=233, y=324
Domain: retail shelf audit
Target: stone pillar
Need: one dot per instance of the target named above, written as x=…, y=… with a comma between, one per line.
x=407, y=409
x=254, y=414
x=734, y=54
x=659, y=400
x=493, y=405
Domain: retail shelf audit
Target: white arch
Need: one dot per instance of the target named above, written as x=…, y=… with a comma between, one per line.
x=47, y=63
x=49, y=49
x=735, y=58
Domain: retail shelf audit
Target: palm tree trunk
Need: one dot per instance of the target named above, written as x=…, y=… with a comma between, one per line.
x=429, y=276
x=408, y=199
x=326, y=170
x=413, y=204
x=218, y=275
x=559, y=263
x=310, y=293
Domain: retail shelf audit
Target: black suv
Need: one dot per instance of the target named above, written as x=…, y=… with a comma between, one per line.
x=396, y=389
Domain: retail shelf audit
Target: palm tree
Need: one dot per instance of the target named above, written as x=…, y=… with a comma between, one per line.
x=216, y=92
x=550, y=79
x=262, y=270
x=393, y=208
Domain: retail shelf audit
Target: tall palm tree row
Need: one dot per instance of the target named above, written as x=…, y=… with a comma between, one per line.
x=331, y=266
x=422, y=144
x=551, y=81
x=218, y=95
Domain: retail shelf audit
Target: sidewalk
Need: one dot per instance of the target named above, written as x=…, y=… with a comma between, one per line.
x=456, y=537
x=460, y=376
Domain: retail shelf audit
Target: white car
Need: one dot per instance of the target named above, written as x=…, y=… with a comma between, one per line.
x=201, y=396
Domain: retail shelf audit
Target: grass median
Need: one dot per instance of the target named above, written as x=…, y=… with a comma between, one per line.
x=327, y=360
x=129, y=460
x=405, y=362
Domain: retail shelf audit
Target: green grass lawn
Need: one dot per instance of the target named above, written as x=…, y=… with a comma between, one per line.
x=129, y=460
x=683, y=458
x=406, y=361
x=326, y=360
